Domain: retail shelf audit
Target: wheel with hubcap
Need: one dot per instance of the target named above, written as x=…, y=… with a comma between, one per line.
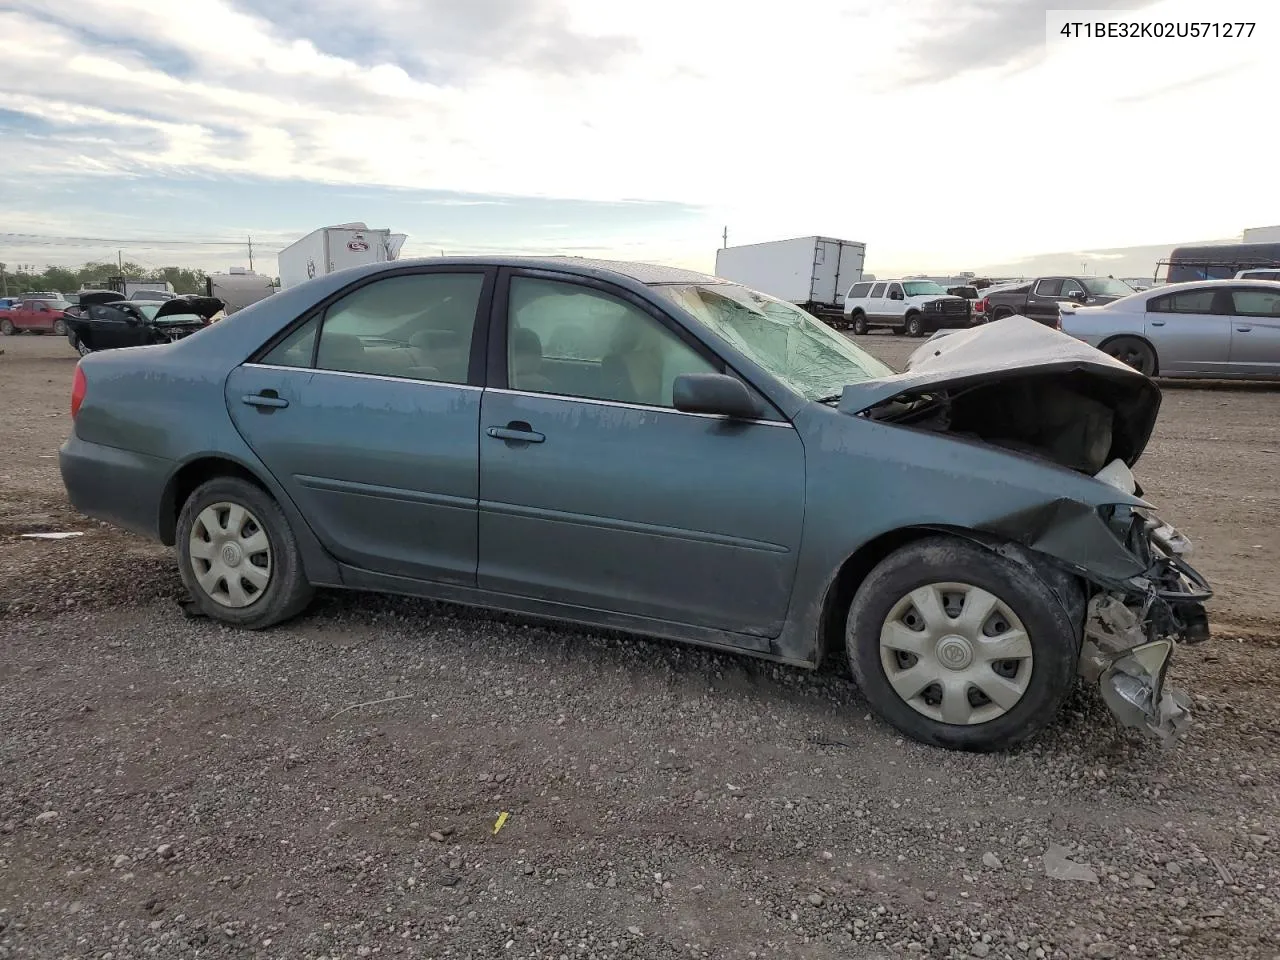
x=1134, y=352
x=6, y=327
x=860, y=323
x=59, y=328
x=959, y=647
x=915, y=326
x=238, y=557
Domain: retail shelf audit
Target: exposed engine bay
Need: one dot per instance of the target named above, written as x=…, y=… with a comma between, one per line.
x=1139, y=600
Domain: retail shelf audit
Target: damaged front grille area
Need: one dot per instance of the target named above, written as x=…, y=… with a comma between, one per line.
x=1131, y=628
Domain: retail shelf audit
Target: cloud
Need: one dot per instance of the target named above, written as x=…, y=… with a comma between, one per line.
x=999, y=35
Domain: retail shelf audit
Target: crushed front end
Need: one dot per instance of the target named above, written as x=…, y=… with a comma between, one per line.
x=1132, y=625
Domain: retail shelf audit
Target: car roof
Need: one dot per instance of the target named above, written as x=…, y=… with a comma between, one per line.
x=1200, y=284
x=650, y=274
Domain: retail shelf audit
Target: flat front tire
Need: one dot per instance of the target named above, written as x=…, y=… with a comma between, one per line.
x=958, y=647
x=238, y=557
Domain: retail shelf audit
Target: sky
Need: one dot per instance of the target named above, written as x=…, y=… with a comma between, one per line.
x=947, y=135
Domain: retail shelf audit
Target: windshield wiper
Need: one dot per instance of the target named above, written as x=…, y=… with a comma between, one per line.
x=831, y=399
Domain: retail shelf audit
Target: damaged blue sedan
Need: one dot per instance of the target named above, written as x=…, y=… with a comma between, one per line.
x=657, y=451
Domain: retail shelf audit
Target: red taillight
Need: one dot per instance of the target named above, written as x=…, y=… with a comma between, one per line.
x=78, y=387
x=980, y=306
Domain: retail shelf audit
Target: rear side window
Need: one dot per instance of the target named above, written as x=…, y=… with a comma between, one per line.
x=1190, y=301
x=418, y=327
x=858, y=291
x=877, y=290
x=1255, y=303
x=1049, y=288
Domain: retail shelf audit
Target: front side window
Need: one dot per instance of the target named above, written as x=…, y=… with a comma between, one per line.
x=574, y=341
x=895, y=292
x=795, y=348
x=1191, y=301
x=418, y=327
x=1071, y=288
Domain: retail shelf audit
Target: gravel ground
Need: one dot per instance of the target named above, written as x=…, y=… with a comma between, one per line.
x=333, y=788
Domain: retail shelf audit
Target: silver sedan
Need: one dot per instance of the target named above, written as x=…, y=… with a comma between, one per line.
x=1218, y=329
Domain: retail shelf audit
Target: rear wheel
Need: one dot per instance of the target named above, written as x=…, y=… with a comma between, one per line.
x=859, y=323
x=6, y=327
x=1001, y=313
x=915, y=326
x=1134, y=352
x=82, y=348
x=959, y=647
x=238, y=557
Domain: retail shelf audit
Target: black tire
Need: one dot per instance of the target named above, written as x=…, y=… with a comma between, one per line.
x=82, y=348
x=915, y=325
x=286, y=594
x=1001, y=313
x=59, y=328
x=1135, y=352
x=1054, y=643
x=859, y=323
x=6, y=327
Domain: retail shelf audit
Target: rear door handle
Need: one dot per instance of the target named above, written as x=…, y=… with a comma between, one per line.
x=267, y=398
x=1244, y=329
x=1157, y=323
x=518, y=431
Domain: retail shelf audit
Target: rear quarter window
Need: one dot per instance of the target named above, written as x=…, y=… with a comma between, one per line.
x=859, y=291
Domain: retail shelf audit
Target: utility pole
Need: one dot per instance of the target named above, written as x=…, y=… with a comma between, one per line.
x=120, y=261
x=4, y=282
x=725, y=237
x=251, y=254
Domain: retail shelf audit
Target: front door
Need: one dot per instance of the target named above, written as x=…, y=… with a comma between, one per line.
x=1255, y=331
x=368, y=413
x=596, y=492
x=1190, y=331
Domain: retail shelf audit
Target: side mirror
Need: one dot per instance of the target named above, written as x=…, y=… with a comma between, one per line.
x=1079, y=296
x=714, y=393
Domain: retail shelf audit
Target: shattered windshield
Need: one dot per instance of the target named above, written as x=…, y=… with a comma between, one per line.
x=801, y=351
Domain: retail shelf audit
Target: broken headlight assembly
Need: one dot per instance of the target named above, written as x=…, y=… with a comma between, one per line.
x=1131, y=628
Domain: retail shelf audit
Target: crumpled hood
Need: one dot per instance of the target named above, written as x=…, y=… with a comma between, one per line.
x=1019, y=348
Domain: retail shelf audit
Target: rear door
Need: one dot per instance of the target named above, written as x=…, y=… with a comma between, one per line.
x=596, y=492
x=1042, y=300
x=1191, y=331
x=367, y=412
x=1255, y=331
x=875, y=301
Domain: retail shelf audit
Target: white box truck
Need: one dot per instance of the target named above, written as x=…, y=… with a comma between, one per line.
x=330, y=249
x=238, y=288
x=812, y=272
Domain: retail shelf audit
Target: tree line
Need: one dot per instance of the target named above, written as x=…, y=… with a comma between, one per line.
x=95, y=273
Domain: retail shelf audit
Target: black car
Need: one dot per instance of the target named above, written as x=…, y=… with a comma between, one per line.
x=103, y=321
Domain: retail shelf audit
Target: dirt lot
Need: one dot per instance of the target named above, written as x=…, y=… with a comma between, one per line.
x=331, y=788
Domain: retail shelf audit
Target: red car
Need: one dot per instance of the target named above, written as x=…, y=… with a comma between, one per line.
x=42, y=316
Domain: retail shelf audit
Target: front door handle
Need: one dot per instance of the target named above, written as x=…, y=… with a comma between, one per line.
x=267, y=398
x=1244, y=329
x=517, y=430
x=1157, y=323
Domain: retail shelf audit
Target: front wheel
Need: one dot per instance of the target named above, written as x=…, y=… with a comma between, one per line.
x=915, y=326
x=1134, y=352
x=59, y=328
x=238, y=557
x=860, y=324
x=82, y=348
x=958, y=647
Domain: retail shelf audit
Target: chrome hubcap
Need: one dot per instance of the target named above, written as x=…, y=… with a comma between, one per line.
x=230, y=554
x=956, y=653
